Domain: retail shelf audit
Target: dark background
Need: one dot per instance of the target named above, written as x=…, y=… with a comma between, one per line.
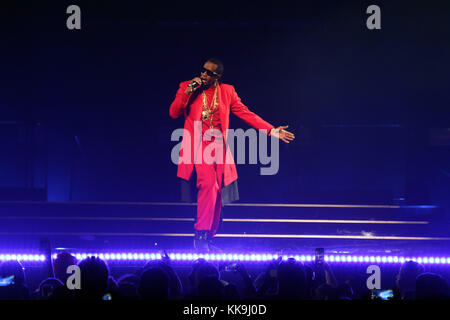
x=84, y=113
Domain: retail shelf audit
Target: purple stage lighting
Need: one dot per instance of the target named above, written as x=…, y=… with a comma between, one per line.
x=228, y=257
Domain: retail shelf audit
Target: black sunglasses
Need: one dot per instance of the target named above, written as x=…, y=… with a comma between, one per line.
x=209, y=72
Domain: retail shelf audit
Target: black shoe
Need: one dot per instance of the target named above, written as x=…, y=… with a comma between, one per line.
x=201, y=240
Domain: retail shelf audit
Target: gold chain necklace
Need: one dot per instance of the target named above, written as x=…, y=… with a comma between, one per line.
x=207, y=113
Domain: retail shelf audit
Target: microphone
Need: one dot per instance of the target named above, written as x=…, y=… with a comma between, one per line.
x=193, y=84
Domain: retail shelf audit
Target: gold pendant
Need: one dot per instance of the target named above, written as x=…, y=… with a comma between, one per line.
x=205, y=115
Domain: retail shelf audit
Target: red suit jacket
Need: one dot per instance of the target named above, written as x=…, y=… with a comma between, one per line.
x=191, y=106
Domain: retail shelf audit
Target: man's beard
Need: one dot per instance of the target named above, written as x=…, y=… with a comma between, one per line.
x=206, y=86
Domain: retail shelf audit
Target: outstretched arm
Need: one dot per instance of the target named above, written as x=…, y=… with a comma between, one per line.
x=255, y=121
x=249, y=117
x=46, y=249
x=329, y=276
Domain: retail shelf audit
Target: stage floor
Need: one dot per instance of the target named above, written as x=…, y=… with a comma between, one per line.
x=270, y=228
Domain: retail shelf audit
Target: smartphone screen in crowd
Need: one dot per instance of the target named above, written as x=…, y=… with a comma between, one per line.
x=382, y=294
x=4, y=282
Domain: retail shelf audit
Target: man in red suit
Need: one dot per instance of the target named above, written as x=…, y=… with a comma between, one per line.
x=206, y=104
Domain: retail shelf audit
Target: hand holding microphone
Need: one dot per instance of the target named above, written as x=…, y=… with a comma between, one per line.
x=193, y=85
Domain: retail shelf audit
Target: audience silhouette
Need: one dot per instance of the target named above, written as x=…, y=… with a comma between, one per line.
x=281, y=280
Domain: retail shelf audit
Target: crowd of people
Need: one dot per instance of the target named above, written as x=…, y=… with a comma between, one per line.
x=158, y=280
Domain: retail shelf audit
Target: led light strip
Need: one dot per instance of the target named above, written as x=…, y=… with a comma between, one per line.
x=230, y=257
x=256, y=257
x=22, y=257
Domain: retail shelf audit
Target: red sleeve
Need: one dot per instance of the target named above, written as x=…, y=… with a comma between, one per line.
x=181, y=100
x=252, y=119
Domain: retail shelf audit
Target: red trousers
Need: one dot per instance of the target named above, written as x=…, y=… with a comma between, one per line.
x=209, y=183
